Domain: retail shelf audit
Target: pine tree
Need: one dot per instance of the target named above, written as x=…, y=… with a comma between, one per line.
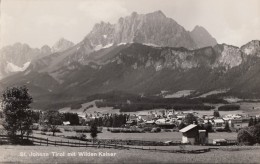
x=216, y=113
x=251, y=122
x=227, y=128
x=181, y=126
x=93, y=131
x=208, y=126
x=255, y=121
x=190, y=119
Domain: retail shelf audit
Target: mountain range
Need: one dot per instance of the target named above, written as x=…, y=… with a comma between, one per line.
x=152, y=29
x=142, y=54
x=17, y=57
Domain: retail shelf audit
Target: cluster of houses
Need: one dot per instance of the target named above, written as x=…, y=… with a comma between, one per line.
x=191, y=133
x=171, y=118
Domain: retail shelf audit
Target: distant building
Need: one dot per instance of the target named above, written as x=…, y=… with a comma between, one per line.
x=131, y=123
x=219, y=142
x=219, y=124
x=194, y=135
x=166, y=123
x=236, y=123
x=66, y=123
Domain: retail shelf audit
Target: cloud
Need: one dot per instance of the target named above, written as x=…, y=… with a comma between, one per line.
x=39, y=22
x=100, y=10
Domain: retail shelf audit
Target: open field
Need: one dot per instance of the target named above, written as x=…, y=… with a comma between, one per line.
x=162, y=136
x=251, y=108
x=12, y=154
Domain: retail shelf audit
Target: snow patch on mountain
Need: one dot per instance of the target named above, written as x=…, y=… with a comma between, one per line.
x=14, y=68
x=214, y=92
x=108, y=45
x=151, y=44
x=232, y=99
x=182, y=93
x=119, y=44
x=99, y=47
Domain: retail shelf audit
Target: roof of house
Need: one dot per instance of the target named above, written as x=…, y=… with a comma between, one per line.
x=218, y=120
x=129, y=122
x=66, y=123
x=187, y=128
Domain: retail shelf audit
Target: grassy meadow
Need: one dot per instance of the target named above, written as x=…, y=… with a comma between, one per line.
x=161, y=136
x=12, y=154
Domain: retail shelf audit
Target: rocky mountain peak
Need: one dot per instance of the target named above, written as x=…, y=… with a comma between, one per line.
x=199, y=28
x=45, y=50
x=157, y=13
x=17, y=57
x=251, y=48
x=202, y=37
x=61, y=45
x=152, y=28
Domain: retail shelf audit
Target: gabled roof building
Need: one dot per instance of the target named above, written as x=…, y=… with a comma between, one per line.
x=193, y=134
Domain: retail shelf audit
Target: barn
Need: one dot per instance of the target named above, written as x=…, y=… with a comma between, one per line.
x=194, y=135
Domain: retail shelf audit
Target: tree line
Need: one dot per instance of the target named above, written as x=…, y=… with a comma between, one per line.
x=114, y=120
x=139, y=106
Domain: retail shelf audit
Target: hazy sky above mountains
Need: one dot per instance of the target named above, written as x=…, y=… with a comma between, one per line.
x=39, y=22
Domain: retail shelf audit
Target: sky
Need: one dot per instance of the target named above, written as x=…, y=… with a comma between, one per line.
x=41, y=22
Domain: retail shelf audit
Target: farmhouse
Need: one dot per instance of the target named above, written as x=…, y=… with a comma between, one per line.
x=219, y=124
x=236, y=123
x=189, y=134
x=193, y=135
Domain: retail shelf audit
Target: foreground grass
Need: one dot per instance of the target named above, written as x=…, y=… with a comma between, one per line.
x=12, y=154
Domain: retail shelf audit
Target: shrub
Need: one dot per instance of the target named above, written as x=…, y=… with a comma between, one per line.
x=249, y=135
x=147, y=129
x=126, y=130
x=156, y=130
x=82, y=131
x=44, y=129
x=81, y=136
x=245, y=137
x=26, y=142
x=167, y=130
x=22, y=142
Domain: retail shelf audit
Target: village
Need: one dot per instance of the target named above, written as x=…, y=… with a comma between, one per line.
x=193, y=126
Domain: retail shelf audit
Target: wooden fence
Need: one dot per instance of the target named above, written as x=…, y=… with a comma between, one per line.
x=46, y=142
